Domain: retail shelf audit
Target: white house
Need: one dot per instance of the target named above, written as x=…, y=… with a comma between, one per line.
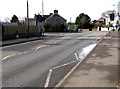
x=106, y=16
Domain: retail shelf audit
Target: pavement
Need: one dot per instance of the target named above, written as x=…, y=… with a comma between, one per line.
x=19, y=40
x=99, y=69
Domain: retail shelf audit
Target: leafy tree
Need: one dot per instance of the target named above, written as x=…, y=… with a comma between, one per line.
x=14, y=19
x=83, y=21
x=73, y=27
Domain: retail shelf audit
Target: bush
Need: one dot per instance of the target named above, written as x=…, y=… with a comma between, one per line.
x=55, y=28
x=74, y=27
x=105, y=26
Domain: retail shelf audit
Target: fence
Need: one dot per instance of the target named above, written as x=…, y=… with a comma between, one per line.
x=10, y=32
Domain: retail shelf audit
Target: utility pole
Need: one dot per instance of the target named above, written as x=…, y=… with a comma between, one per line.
x=43, y=17
x=70, y=24
x=27, y=19
x=42, y=8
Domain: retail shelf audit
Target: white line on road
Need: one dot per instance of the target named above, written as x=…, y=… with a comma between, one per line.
x=65, y=77
x=52, y=41
x=48, y=78
x=11, y=55
x=40, y=47
x=50, y=73
x=63, y=65
x=76, y=56
x=6, y=57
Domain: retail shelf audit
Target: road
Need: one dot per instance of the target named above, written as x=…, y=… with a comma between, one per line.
x=28, y=64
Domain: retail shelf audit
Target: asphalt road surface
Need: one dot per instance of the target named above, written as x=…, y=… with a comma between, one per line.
x=27, y=64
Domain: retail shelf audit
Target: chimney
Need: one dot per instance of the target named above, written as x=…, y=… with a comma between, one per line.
x=55, y=11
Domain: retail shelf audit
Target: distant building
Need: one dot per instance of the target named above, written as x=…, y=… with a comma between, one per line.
x=55, y=19
x=32, y=21
x=110, y=16
x=52, y=18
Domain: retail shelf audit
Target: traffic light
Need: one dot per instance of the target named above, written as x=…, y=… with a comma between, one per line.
x=112, y=16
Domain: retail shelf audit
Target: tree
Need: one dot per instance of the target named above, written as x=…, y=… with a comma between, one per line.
x=83, y=21
x=94, y=24
x=22, y=20
x=14, y=19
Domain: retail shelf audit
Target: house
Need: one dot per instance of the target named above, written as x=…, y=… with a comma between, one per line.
x=111, y=17
x=52, y=18
x=55, y=18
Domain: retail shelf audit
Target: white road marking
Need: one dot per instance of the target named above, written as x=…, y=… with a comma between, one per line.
x=63, y=65
x=76, y=56
x=89, y=38
x=65, y=77
x=11, y=55
x=40, y=47
x=57, y=41
x=6, y=57
x=48, y=78
x=50, y=73
x=52, y=41
x=64, y=38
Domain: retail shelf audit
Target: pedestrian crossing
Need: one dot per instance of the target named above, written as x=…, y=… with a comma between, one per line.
x=52, y=41
x=89, y=36
x=96, y=34
x=79, y=38
x=82, y=37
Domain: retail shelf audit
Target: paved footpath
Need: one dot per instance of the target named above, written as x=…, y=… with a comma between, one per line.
x=100, y=68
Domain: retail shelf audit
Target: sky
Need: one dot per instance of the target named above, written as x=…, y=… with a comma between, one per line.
x=66, y=8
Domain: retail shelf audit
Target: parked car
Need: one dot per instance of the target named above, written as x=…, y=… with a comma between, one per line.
x=79, y=30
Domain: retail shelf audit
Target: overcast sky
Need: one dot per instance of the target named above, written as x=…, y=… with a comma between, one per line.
x=66, y=8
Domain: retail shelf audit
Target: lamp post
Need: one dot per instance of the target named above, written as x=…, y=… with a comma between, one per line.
x=27, y=19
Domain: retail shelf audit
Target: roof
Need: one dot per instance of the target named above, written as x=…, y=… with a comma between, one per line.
x=53, y=15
